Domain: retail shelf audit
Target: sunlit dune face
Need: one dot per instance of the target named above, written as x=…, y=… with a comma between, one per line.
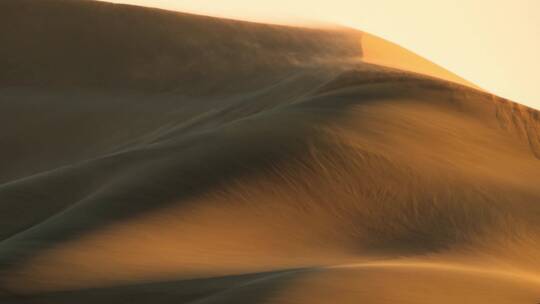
x=378, y=51
x=491, y=44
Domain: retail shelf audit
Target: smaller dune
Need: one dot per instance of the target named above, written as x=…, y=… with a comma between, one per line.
x=151, y=156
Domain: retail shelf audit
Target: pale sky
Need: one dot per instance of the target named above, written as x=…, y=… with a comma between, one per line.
x=493, y=43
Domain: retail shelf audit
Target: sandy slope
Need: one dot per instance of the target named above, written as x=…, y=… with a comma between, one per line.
x=159, y=157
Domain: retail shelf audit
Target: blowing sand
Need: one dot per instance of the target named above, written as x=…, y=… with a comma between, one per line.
x=159, y=157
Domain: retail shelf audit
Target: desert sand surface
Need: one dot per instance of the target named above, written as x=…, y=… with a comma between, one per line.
x=150, y=156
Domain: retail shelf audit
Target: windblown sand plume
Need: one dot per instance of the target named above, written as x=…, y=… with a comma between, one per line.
x=150, y=156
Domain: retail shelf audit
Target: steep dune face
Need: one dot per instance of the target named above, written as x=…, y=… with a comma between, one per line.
x=255, y=163
x=379, y=51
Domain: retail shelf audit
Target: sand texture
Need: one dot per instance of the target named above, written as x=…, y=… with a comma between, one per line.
x=149, y=156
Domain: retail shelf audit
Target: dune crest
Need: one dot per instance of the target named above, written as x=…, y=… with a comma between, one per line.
x=154, y=156
x=379, y=51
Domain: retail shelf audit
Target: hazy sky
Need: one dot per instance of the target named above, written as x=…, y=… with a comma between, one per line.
x=493, y=43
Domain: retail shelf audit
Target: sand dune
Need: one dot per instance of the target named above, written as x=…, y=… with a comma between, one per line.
x=159, y=157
